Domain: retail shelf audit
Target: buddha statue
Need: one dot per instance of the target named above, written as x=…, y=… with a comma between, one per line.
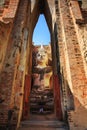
x=42, y=72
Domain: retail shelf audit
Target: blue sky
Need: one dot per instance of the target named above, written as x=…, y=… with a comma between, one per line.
x=41, y=34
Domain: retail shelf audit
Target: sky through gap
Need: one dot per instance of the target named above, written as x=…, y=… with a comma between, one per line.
x=41, y=34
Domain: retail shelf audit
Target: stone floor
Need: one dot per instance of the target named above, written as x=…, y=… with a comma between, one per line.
x=43, y=117
x=40, y=128
x=43, y=122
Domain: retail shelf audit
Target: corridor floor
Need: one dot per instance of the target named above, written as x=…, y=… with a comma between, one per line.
x=43, y=122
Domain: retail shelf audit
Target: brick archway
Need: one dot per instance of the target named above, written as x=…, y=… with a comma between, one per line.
x=43, y=8
x=18, y=60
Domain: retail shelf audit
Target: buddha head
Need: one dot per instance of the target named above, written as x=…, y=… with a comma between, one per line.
x=42, y=57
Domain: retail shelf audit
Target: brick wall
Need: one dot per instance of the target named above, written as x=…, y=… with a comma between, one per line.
x=12, y=76
x=4, y=36
x=71, y=60
x=84, y=4
x=8, y=11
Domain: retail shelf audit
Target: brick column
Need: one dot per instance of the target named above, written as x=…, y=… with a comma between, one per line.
x=75, y=73
x=26, y=97
x=11, y=70
x=72, y=64
x=57, y=96
x=11, y=11
x=76, y=11
x=84, y=4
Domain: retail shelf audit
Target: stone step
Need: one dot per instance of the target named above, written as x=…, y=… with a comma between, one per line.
x=41, y=128
x=38, y=104
x=45, y=111
x=46, y=91
x=39, y=94
x=42, y=113
x=43, y=125
x=45, y=107
x=42, y=99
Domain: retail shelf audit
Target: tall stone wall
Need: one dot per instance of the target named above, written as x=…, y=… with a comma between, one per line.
x=84, y=4
x=72, y=62
x=81, y=31
x=12, y=76
x=4, y=36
